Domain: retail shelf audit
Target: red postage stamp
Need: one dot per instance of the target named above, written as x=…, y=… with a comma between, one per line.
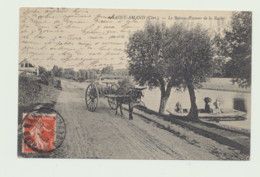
x=38, y=133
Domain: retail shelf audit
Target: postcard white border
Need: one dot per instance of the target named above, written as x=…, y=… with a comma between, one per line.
x=11, y=165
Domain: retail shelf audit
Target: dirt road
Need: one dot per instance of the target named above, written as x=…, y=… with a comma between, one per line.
x=102, y=134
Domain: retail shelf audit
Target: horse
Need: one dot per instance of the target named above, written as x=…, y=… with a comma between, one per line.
x=133, y=99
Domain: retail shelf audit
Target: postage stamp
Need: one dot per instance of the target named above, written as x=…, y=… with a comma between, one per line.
x=40, y=133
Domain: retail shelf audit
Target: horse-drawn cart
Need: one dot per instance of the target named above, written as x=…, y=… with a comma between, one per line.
x=115, y=95
x=95, y=91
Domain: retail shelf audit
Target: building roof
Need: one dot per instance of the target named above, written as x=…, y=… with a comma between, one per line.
x=27, y=61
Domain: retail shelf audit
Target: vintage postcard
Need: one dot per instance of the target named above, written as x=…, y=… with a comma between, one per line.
x=134, y=84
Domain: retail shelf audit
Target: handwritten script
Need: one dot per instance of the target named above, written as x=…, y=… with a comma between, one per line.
x=83, y=38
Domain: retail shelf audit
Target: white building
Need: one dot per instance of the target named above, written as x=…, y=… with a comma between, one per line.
x=28, y=68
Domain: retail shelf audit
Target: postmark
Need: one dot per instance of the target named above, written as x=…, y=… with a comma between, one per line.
x=43, y=131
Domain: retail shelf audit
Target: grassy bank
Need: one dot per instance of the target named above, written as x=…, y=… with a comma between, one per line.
x=32, y=93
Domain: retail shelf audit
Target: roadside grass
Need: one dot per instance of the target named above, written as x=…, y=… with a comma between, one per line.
x=32, y=93
x=29, y=90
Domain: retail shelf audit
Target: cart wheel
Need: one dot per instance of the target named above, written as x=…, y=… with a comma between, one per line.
x=112, y=101
x=91, y=97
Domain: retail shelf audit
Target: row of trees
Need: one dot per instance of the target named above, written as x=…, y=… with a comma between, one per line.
x=182, y=56
x=69, y=73
x=82, y=74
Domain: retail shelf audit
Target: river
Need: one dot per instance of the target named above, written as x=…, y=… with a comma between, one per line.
x=230, y=100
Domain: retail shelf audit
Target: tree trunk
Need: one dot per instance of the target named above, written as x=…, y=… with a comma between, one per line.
x=193, y=114
x=163, y=102
x=165, y=93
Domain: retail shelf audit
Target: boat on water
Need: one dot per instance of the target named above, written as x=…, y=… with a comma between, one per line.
x=225, y=115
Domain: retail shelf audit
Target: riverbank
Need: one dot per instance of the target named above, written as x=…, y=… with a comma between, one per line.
x=232, y=97
x=234, y=137
x=224, y=84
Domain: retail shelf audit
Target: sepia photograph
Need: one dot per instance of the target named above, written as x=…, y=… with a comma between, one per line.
x=134, y=84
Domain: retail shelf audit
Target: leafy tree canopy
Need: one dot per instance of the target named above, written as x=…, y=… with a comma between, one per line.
x=237, y=44
x=178, y=56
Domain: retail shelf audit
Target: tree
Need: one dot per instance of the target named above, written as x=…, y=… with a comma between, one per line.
x=69, y=73
x=57, y=71
x=83, y=74
x=237, y=44
x=76, y=76
x=87, y=74
x=42, y=70
x=190, y=56
x=92, y=74
x=107, y=70
x=147, y=63
x=179, y=56
x=218, y=69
